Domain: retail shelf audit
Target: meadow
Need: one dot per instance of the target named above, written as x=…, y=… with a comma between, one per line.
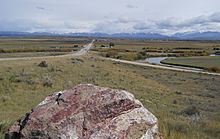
x=140, y=49
x=186, y=104
x=39, y=46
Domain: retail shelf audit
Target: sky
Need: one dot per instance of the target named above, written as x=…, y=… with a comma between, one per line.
x=110, y=16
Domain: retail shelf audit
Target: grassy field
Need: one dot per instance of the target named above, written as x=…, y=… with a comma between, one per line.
x=186, y=104
x=136, y=49
x=41, y=46
x=205, y=62
x=31, y=54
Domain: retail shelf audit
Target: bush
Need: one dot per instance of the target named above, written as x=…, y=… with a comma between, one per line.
x=1, y=78
x=178, y=92
x=174, y=101
x=142, y=53
x=216, y=48
x=47, y=82
x=111, y=44
x=214, y=69
x=2, y=51
x=43, y=64
x=77, y=60
x=191, y=110
x=112, y=54
x=178, y=127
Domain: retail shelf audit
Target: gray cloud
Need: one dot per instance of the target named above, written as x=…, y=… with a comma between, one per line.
x=143, y=26
x=40, y=8
x=113, y=16
x=215, y=17
x=116, y=26
x=172, y=25
x=131, y=6
x=203, y=19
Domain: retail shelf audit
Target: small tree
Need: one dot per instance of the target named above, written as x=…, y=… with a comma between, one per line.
x=111, y=44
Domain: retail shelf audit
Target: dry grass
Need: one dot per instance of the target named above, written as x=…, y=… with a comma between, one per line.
x=22, y=87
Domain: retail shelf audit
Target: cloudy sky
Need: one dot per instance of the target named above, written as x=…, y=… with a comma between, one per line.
x=110, y=16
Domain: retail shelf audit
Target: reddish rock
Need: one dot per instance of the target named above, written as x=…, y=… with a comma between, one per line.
x=87, y=112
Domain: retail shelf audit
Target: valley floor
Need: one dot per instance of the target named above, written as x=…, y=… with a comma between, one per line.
x=170, y=95
x=186, y=104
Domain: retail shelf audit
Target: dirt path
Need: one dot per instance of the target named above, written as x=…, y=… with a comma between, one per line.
x=83, y=51
x=164, y=67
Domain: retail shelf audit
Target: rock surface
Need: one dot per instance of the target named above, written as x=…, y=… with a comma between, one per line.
x=87, y=112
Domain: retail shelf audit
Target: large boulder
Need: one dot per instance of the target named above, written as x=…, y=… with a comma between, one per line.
x=87, y=112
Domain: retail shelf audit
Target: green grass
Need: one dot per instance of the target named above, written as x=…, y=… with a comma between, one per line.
x=205, y=62
x=138, y=45
x=167, y=94
x=163, y=48
x=49, y=44
x=21, y=88
x=31, y=54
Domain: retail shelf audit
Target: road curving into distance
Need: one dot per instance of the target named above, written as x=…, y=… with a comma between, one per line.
x=165, y=67
x=81, y=52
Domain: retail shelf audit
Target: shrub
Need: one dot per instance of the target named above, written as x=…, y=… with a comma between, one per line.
x=112, y=54
x=111, y=44
x=174, y=101
x=2, y=51
x=14, y=78
x=43, y=64
x=178, y=92
x=1, y=78
x=191, y=110
x=142, y=53
x=178, y=127
x=47, y=82
x=216, y=48
x=77, y=60
x=214, y=69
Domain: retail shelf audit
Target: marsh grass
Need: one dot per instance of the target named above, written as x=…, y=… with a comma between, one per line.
x=209, y=63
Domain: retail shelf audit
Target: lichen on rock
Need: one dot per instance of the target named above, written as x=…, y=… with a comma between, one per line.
x=87, y=112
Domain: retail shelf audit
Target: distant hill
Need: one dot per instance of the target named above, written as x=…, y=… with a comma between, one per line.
x=123, y=35
x=198, y=36
x=156, y=36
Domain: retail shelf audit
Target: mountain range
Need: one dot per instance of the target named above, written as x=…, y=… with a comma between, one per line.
x=178, y=36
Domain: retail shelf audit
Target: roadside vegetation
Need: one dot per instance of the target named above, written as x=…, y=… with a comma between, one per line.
x=35, y=47
x=186, y=104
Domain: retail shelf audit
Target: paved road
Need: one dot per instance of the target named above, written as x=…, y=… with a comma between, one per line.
x=83, y=51
x=164, y=67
